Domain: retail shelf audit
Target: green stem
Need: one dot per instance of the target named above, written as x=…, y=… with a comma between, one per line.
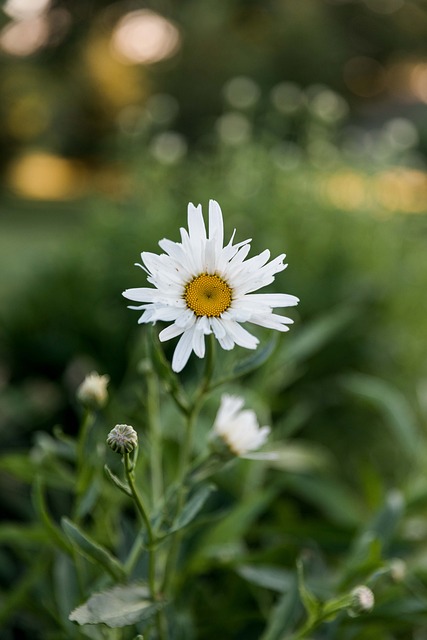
x=151, y=551
x=185, y=458
x=141, y=509
x=83, y=469
x=327, y=611
x=155, y=432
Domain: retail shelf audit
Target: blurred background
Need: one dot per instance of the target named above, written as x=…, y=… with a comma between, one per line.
x=307, y=121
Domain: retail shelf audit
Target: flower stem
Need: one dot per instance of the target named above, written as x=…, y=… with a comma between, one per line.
x=141, y=509
x=155, y=432
x=83, y=468
x=185, y=458
x=151, y=551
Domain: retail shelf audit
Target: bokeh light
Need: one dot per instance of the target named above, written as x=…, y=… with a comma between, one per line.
x=144, y=37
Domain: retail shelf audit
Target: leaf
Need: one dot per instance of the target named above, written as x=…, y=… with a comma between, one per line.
x=311, y=604
x=391, y=404
x=284, y=615
x=193, y=506
x=115, y=480
x=51, y=527
x=120, y=606
x=273, y=578
x=298, y=456
x=336, y=500
x=223, y=539
x=25, y=535
x=366, y=554
x=25, y=467
x=314, y=336
x=257, y=359
x=92, y=550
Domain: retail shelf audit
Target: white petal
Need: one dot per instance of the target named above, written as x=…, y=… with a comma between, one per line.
x=226, y=342
x=217, y=328
x=196, y=224
x=216, y=224
x=141, y=294
x=239, y=335
x=199, y=341
x=272, y=321
x=186, y=319
x=209, y=260
x=183, y=350
x=170, y=332
x=272, y=299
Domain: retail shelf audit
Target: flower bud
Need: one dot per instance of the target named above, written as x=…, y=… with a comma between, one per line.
x=92, y=393
x=122, y=439
x=362, y=601
x=398, y=570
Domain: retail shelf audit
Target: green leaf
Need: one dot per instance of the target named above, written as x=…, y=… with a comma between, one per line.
x=25, y=535
x=334, y=499
x=285, y=614
x=192, y=507
x=311, y=339
x=92, y=550
x=253, y=362
x=120, y=606
x=115, y=480
x=24, y=467
x=366, y=553
x=299, y=456
x=51, y=527
x=268, y=577
x=311, y=604
x=223, y=539
x=391, y=404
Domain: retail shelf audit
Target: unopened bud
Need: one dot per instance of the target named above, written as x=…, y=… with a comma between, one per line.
x=398, y=569
x=92, y=393
x=122, y=439
x=362, y=601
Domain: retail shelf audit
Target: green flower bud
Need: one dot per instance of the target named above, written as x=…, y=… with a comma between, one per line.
x=122, y=439
x=92, y=393
x=362, y=601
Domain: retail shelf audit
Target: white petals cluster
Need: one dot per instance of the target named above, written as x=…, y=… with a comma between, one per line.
x=201, y=287
x=238, y=428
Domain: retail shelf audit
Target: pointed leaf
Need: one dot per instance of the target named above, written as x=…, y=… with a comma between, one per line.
x=311, y=603
x=92, y=550
x=314, y=336
x=273, y=578
x=256, y=360
x=285, y=614
x=115, y=480
x=193, y=506
x=120, y=606
x=393, y=406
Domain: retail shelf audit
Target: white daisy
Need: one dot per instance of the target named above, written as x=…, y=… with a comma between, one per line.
x=203, y=287
x=238, y=430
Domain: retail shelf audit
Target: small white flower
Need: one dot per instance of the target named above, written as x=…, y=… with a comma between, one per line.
x=238, y=429
x=203, y=287
x=92, y=392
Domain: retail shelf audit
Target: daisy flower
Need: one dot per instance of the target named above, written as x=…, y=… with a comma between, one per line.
x=238, y=430
x=201, y=287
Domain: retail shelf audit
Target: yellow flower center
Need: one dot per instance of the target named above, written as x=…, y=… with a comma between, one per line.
x=207, y=295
